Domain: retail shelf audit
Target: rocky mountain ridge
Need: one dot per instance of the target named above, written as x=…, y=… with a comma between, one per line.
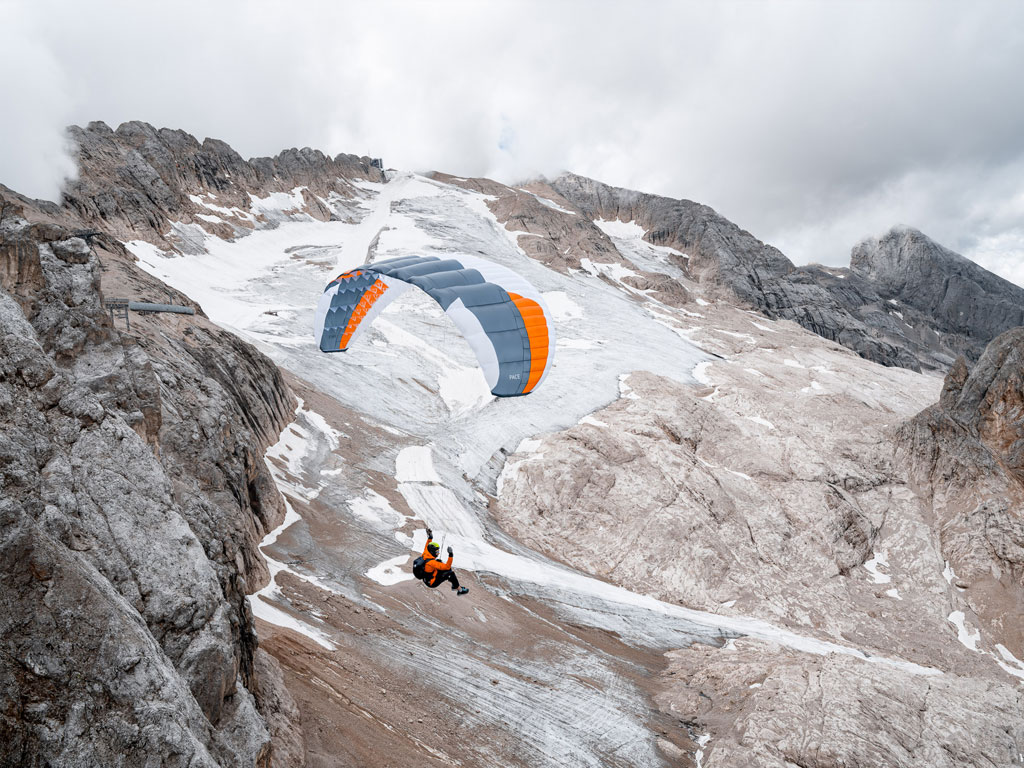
x=894, y=305
x=140, y=182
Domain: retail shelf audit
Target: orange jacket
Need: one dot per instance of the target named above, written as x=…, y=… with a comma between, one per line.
x=432, y=566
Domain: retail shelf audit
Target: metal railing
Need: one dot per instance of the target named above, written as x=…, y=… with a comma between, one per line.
x=119, y=309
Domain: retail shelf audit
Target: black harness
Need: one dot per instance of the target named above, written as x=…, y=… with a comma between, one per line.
x=419, y=568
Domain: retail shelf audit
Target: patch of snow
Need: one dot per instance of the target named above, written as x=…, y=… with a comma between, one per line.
x=592, y=421
x=701, y=301
x=528, y=445
x=147, y=253
x=894, y=593
x=390, y=571
x=611, y=270
x=709, y=465
x=549, y=203
x=625, y=390
x=561, y=343
x=966, y=637
x=763, y=327
x=627, y=230
x=263, y=601
x=701, y=743
x=880, y=560
x=700, y=373
x=463, y=390
x=209, y=218
x=792, y=363
x=759, y=420
x=375, y=509
x=682, y=333
x=1010, y=663
x=297, y=441
x=744, y=336
x=278, y=202
x=753, y=371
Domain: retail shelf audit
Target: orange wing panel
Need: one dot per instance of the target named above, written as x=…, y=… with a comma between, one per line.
x=367, y=300
x=537, y=331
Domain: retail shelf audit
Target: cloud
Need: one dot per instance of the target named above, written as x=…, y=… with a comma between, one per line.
x=811, y=124
x=35, y=154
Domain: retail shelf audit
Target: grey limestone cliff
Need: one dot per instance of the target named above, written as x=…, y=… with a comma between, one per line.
x=966, y=456
x=133, y=496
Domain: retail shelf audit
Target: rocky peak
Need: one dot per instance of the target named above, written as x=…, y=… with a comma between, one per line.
x=899, y=253
x=961, y=296
x=905, y=300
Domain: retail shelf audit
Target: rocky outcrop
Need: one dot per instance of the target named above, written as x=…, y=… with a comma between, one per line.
x=905, y=301
x=762, y=494
x=164, y=186
x=548, y=229
x=721, y=254
x=556, y=236
x=958, y=296
x=755, y=704
x=134, y=494
x=966, y=456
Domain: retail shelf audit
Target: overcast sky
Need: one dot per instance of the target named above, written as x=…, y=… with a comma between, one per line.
x=811, y=124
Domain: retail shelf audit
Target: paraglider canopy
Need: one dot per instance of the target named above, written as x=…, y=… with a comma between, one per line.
x=502, y=316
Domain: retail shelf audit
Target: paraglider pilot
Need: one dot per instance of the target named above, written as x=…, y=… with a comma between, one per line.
x=437, y=572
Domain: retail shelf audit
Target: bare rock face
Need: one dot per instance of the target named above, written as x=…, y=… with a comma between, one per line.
x=546, y=231
x=761, y=705
x=966, y=456
x=989, y=399
x=282, y=715
x=721, y=254
x=749, y=497
x=140, y=182
x=133, y=498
